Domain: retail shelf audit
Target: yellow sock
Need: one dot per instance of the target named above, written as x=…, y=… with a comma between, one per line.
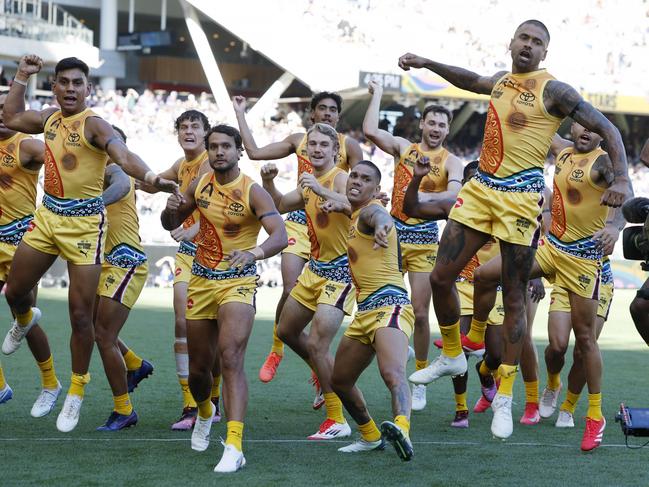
x=205, y=409
x=460, y=402
x=235, y=434
x=369, y=431
x=132, y=361
x=532, y=391
x=78, y=383
x=334, y=407
x=554, y=381
x=216, y=388
x=123, y=404
x=570, y=403
x=278, y=345
x=451, y=344
x=594, y=406
x=25, y=318
x=188, y=399
x=484, y=370
x=48, y=375
x=477, y=331
x=404, y=423
x=421, y=364
x=507, y=378
x=3, y=383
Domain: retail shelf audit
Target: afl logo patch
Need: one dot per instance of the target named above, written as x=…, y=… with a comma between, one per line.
x=190, y=303
x=178, y=271
x=458, y=203
x=291, y=241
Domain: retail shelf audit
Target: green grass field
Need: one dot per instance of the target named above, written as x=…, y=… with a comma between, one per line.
x=280, y=417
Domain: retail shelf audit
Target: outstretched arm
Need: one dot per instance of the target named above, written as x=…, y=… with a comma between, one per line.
x=14, y=114
x=460, y=77
x=382, y=138
x=563, y=100
x=375, y=220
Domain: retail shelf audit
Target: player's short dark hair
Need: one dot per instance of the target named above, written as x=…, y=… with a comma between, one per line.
x=71, y=63
x=120, y=132
x=375, y=169
x=227, y=130
x=437, y=109
x=192, y=115
x=318, y=97
x=471, y=166
x=537, y=23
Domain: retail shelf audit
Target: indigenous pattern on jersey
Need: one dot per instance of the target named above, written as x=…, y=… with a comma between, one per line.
x=18, y=190
x=227, y=223
x=327, y=233
x=414, y=230
x=487, y=252
x=123, y=244
x=518, y=133
x=576, y=210
x=74, y=168
x=187, y=172
x=376, y=273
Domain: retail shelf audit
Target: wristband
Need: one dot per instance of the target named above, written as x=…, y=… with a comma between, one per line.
x=150, y=177
x=258, y=252
x=16, y=80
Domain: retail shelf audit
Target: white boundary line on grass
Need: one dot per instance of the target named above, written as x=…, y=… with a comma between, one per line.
x=288, y=441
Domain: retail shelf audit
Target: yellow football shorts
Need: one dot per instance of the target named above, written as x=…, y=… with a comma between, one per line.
x=205, y=296
x=509, y=216
x=7, y=252
x=365, y=323
x=77, y=239
x=298, y=240
x=559, y=300
x=183, y=268
x=122, y=284
x=312, y=290
x=418, y=258
x=581, y=276
x=465, y=292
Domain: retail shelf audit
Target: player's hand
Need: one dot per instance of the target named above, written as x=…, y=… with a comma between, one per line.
x=268, y=172
x=239, y=104
x=409, y=60
x=374, y=88
x=383, y=198
x=617, y=193
x=606, y=238
x=168, y=186
x=173, y=202
x=421, y=167
x=185, y=234
x=240, y=258
x=30, y=64
x=381, y=236
x=536, y=290
x=331, y=206
x=308, y=180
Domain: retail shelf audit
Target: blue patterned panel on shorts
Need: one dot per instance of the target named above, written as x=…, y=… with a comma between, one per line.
x=607, y=272
x=584, y=248
x=424, y=233
x=187, y=248
x=385, y=296
x=298, y=216
x=12, y=233
x=125, y=256
x=528, y=181
x=335, y=270
x=213, y=275
x=74, y=207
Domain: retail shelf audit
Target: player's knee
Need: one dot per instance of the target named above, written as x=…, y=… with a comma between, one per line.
x=339, y=384
x=231, y=358
x=104, y=338
x=439, y=280
x=421, y=316
x=393, y=376
x=585, y=341
x=81, y=319
x=556, y=349
x=313, y=345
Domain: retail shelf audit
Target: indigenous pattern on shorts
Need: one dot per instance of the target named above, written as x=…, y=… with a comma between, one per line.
x=419, y=234
x=385, y=296
x=335, y=270
x=298, y=217
x=187, y=248
x=12, y=233
x=125, y=256
x=585, y=248
x=74, y=207
x=528, y=181
x=607, y=272
x=215, y=275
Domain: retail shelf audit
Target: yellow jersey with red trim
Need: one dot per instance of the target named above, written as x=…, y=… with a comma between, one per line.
x=304, y=164
x=187, y=172
x=376, y=273
x=518, y=133
x=415, y=230
x=123, y=244
x=327, y=233
x=576, y=210
x=227, y=223
x=17, y=184
x=487, y=252
x=74, y=168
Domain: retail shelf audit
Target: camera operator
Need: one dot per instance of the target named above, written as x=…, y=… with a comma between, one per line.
x=636, y=247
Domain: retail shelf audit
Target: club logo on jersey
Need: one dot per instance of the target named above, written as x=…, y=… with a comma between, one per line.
x=208, y=188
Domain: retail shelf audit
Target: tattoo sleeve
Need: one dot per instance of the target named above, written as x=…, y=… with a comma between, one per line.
x=463, y=78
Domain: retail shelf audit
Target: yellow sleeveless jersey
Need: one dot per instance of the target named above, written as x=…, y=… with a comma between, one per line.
x=576, y=210
x=414, y=230
x=74, y=168
x=187, y=172
x=376, y=273
x=304, y=164
x=17, y=184
x=123, y=244
x=487, y=252
x=227, y=223
x=518, y=133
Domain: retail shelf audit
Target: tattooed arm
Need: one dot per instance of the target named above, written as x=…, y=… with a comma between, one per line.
x=562, y=100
